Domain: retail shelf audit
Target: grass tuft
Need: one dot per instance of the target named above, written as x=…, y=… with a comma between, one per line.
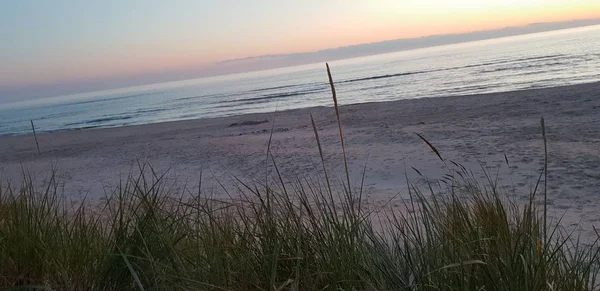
x=462, y=236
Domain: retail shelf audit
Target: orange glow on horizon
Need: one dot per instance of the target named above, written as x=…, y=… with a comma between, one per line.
x=358, y=32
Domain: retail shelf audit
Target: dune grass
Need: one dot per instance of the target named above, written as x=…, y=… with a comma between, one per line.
x=305, y=234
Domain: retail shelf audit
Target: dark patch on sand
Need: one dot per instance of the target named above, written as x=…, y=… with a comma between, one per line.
x=248, y=122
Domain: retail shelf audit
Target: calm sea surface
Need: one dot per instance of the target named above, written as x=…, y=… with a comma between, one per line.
x=529, y=61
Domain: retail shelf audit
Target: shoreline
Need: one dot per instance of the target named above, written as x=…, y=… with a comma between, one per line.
x=391, y=102
x=477, y=131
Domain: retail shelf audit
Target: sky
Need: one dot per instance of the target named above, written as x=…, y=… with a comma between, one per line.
x=50, y=47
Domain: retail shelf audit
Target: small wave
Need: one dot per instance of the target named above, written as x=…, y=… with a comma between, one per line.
x=217, y=95
x=141, y=111
x=537, y=72
x=100, y=120
x=385, y=76
x=188, y=116
x=520, y=68
x=282, y=87
x=510, y=61
x=108, y=99
x=107, y=119
x=376, y=87
x=275, y=96
x=476, y=87
x=199, y=96
x=540, y=58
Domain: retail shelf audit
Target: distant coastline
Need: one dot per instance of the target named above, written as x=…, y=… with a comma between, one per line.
x=402, y=44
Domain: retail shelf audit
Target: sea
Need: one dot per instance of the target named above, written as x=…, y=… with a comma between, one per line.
x=540, y=60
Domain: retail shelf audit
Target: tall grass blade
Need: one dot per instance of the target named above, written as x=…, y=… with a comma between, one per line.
x=430, y=146
x=312, y=120
x=339, y=121
x=133, y=272
x=545, y=174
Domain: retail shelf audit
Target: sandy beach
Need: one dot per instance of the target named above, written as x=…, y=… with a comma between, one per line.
x=481, y=131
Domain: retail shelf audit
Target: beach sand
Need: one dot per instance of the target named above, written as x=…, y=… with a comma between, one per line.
x=477, y=131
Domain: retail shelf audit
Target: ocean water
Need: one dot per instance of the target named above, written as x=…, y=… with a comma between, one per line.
x=521, y=62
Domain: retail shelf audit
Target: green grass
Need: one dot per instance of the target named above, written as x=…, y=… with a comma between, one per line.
x=306, y=234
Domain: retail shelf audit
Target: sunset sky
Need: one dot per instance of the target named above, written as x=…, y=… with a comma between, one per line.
x=60, y=43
